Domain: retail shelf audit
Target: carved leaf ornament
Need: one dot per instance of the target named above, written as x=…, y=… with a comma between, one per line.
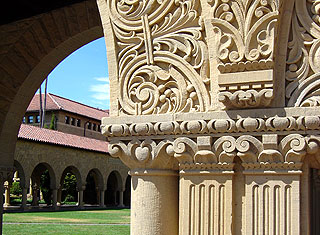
x=246, y=31
x=162, y=58
x=303, y=63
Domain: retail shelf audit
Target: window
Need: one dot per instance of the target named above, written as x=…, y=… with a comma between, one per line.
x=99, y=128
x=24, y=120
x=78, y=122
x=73, y=121
x=67, y=120
x=30, y=119
x=38, y=119
x=94, y=127
x=89, y=125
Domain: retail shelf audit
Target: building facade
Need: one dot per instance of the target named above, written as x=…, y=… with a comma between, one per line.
x=40, y=149
x=214, y=106
x=66, y=115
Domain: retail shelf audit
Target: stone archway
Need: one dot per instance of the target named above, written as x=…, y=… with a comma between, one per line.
x=224, y=91
x=72, y=190
x=94, y=183
x=114, y=192
x=44, y=186
x=31, y=54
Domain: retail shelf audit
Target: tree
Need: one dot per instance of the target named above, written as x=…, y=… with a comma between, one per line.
x=52, y=122
x=69, y=188
x=16, y=189
x=45, y=187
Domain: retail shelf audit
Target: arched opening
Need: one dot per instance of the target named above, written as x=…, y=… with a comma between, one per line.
x=15, y=194
x=91, y=193
x=42, y=185
x=127, y=192
x=114, y=190
x=70, y=182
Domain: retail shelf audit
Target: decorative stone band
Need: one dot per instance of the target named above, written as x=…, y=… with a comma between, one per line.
x=214, y=126
x=153, y=172
x=265, y=153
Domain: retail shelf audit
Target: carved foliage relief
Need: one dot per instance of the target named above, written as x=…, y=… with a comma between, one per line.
x=162, y=58
x=303, y=64
x=244, y=38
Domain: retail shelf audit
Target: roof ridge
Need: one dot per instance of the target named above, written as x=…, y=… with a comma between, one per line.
x=77, y=102
x=54, y=101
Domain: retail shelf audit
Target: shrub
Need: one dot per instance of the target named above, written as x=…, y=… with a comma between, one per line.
x=16, y=189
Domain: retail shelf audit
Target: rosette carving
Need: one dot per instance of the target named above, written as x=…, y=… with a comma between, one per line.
x=303, y=64
x=162, y=58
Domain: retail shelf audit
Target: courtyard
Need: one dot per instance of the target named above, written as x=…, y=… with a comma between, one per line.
x=107, y=221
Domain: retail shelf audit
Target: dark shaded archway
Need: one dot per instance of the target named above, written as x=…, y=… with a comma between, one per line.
x=93, y=183
x=43, y=181
x=114, y=186
x=127, y=192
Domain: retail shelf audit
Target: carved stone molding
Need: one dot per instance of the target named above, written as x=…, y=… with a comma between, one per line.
x=244, y=34
x=214, y=126
x=269, y=152
x=302, y=76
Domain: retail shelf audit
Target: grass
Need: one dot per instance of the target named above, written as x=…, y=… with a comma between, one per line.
x=67, y=222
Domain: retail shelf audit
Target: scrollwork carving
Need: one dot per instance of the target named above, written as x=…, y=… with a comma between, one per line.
x=303, y=88
x=246, y=31
x=162, y=58
x=246, y=99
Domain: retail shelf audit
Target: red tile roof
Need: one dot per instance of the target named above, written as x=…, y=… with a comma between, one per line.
x=55, y=102
x=33, y=133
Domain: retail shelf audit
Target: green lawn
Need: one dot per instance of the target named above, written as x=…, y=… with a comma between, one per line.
x=62, y=222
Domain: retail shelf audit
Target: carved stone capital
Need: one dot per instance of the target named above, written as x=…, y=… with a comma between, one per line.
x=144, y=154
x=6, y=173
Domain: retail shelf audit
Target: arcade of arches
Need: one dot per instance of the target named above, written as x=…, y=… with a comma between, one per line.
x=100, y=179
x=214, y=107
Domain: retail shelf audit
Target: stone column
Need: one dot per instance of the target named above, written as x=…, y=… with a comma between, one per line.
x=16, y=176
x=5, y=174
x=7, y=193
x=80, y=196
x=35, y=190
x=54, y=198
x=101, y=202
x=154, y=207
x=24, y=198
x=59, y=196
x=121, y=198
